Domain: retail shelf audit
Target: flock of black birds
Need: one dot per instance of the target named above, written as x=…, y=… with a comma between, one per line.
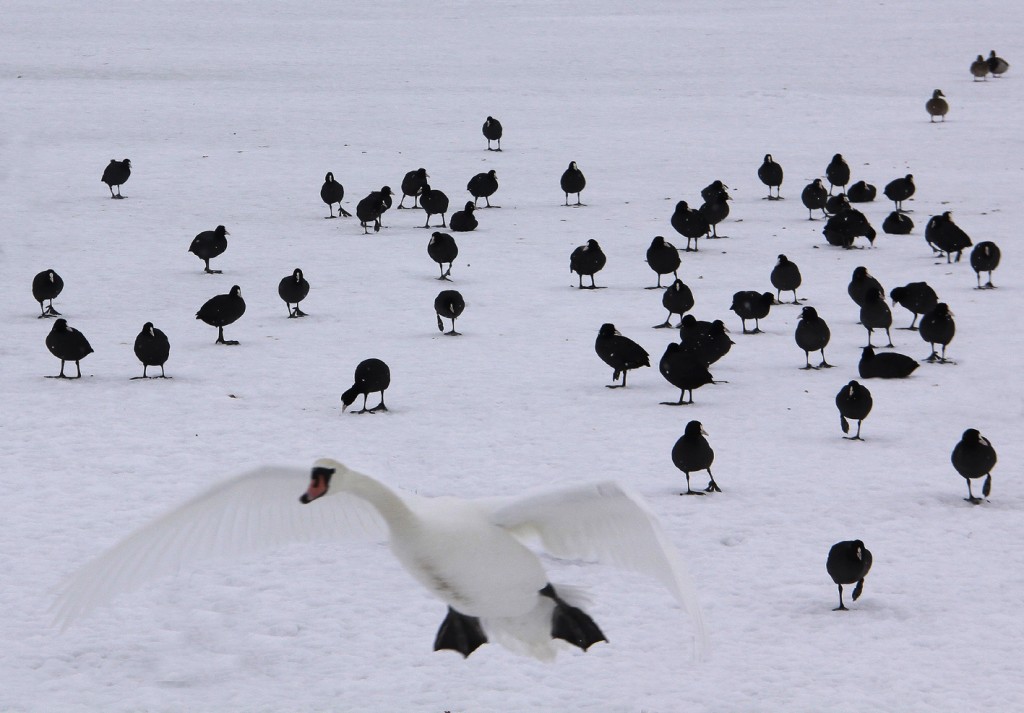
x=685, y=364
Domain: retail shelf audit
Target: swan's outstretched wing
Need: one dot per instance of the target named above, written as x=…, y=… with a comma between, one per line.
x=603, y=522
x=255, y=511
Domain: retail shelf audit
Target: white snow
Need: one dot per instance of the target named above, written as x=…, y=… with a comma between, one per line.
x=232, y=112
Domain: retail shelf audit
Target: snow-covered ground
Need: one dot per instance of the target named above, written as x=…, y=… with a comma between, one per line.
x=232, y=112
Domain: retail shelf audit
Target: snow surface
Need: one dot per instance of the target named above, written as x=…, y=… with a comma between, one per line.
x=231, y=113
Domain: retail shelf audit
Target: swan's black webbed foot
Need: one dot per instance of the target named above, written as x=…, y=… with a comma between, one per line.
x=459, y=632
x=572, y=624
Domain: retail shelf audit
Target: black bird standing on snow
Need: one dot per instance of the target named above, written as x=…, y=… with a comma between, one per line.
x=293, y=289
x=619, y=352
x=442, y=249
x=663, y=258
x=333, y=192
x=463, y=221
x=67, y=344
x=861, y=192
x=222, y=310
x=875, y=314
x=848, y=562
x=677, y=299
x=837, y=173
x=996, y=64
x=748, y=304
x=412, y=185
x=152, y=348
x=690, y=224
x=937, y=106
x=918, y=297
x=46, y=286
x=837, y=204
x=714, y=210
x=433, y=202
x=450, y=305
x=370, y=209
x=812, y=334
x=938, y=327
x=208, y=245
x=714, y=343
x=846, y=226
x=115, y=174
x=974, y=457
x=770, y=174
x=483, y=185
x=492, y=132
x=814, y=196
x=854, y=403
x=692, y=453
x=945, y=236
x=861, y=281
x=686, y=370
x=587, y=260
x=984, y=258
x=785, y=277
x=897, y=223
x=899, y=190
x=889, y=365
x=371, y=375
x=716, y=190
x=573, y=181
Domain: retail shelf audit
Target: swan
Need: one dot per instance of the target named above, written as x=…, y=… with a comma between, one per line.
x=470, y=554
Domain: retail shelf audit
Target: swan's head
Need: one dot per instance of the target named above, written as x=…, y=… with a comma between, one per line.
x=320, y=479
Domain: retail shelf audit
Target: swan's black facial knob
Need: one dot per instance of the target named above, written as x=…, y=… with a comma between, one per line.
x=320, y=481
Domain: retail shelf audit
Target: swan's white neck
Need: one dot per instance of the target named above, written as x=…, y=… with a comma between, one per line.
x=391, y=507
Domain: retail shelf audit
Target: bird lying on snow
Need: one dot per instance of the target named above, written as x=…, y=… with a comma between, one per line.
x=468, y=553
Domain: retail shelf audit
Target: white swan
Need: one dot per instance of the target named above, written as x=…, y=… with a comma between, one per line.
x=468, y=553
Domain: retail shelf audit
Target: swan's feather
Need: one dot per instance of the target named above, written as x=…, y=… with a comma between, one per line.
x=603, y=522
x=255, y=511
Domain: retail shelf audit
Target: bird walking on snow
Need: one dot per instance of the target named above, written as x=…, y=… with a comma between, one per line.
x=116, y=174
x=371, y=376
x=812, y=334
x=984, y=258
x=67, y=344
x=996, y=65
x=848, y=562
x=938, y=327
x=979, y=68
x=663, y=258
x=786, y=277
x=208, y=245
x=619, y=352
x=974, y=457
x=573, y=181
x=492, y=132
x=333, y=192
x=293, y=289
x=587, y=259
x=46, y=286
x=442, y=249
x=837, y=173
x=854, y=403
x=691, y=453
x=937, y=106
x=152, y=348
x=770, y=174
x=449, y=304
x=222, y=310
x=677, y=299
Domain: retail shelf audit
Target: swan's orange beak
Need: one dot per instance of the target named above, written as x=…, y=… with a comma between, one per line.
x=319, y=482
